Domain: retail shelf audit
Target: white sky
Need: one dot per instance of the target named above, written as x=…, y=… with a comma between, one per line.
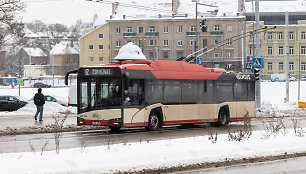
x=64, y=11
x=68, y=11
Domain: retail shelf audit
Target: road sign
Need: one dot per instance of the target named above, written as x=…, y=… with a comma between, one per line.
x=257, y=62
x=248, y=65
x=20, y=82
x=199, y=60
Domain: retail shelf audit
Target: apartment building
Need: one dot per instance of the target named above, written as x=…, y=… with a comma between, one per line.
x=273, y=50
x=94, y=46
x=172, y=38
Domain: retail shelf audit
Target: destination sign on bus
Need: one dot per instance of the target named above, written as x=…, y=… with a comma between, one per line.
x=97, y=72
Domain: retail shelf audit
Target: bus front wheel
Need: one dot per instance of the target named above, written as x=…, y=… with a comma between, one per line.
x=154, y=121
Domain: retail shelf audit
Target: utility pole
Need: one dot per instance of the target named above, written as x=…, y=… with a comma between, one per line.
x=287, y=56
x=257, y=55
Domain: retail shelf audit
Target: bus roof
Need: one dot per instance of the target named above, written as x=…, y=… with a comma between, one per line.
x=166, y=69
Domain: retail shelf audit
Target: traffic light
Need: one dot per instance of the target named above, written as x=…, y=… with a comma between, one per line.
x=256, y=73
x=203, y=27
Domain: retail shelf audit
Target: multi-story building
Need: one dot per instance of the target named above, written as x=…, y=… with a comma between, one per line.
x=94, y=46
x=272, y=42
x=172, y=38
x=168, y=31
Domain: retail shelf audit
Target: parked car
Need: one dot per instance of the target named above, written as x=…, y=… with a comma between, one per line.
x=303, y=78
x=41, y=85
x=12, y=103
x=53, y=98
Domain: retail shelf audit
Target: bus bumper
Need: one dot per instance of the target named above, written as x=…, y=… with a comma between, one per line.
x=112, y=122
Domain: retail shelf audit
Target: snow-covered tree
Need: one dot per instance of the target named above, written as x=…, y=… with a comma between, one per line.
x=9, y=23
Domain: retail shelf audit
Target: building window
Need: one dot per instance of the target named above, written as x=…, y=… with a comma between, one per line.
x=205, y=43
x=229, y=28
x=229, y=41
x=217, y=28
x=117, y=30
x=303, y=35
x=192, y=28
x=101, y=59
x=291, y=66
x=68, y=61
x=152, y=29
x=129, y=29
x=101, y=47
x=140, y=29
x=192, y=42
x=179, y=54
x=303, y=66
x=166, y=30
x=216, y=54
x=281, y=50
x=151, y=42
x=303, y=50
x=91, y=47
x=165, y=55
x=280, y=35
x=166, y=43
x=217, y=65
x=140, y=43
x=270, y=51
x=180, y=43
x=118, y=43
x=291, y=35
x=281, y=66
x=151, y=54
x=180, y=29
x=216, y=42
x=291, y=50
x=100, y=36
x=91, y=59
x=269, y=66
x=229, y=54
x=270, y=35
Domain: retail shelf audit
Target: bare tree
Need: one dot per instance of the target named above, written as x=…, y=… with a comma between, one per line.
x=8, y=18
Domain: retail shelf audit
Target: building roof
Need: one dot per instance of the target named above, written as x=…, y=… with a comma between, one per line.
x=35, y=52
x=153, y=9
x=64, y=48
x=277, y=6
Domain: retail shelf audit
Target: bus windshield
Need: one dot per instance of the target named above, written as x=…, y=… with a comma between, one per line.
x=99, y=93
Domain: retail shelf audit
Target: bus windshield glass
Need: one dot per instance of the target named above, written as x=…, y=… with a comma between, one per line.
x=100, y=92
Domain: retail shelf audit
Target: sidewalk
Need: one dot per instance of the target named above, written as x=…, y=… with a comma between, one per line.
x=28, y=121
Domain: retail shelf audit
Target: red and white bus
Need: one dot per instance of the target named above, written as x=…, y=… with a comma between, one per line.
x=153, y=94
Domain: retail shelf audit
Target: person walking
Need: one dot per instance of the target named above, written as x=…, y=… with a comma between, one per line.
x=39, y=101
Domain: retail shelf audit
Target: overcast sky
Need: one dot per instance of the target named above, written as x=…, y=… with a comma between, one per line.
x=64, y=11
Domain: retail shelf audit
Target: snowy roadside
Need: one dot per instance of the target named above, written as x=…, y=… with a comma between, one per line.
x=147, y=155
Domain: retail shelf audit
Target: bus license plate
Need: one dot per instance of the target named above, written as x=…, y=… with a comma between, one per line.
x=96, y=123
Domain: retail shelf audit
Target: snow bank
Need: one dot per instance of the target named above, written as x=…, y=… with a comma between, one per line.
x=148, y=154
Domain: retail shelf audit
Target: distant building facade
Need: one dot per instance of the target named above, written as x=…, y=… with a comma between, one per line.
x=64, y=57
x=94, y=46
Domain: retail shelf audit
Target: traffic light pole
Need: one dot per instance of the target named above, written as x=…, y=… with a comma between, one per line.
x=257, y=55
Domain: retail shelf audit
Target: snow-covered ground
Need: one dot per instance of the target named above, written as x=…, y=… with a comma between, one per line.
x=147, y=154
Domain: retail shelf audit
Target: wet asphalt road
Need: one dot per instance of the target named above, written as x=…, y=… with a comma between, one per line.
x=30, y=142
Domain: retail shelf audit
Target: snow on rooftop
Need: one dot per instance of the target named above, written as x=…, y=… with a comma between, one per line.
x=130, y=51
x=153, y=9
x=28, y=33
x=64, y=47
x=274, y=6
x=35, y=52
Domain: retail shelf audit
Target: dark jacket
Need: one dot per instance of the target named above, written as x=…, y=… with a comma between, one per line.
x=39, y=99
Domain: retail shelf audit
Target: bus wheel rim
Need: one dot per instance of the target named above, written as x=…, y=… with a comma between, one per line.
x=154, y=121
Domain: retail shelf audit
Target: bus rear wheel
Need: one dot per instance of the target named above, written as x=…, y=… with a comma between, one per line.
x=154, y=122
x=223, y=117
x=114, y=128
